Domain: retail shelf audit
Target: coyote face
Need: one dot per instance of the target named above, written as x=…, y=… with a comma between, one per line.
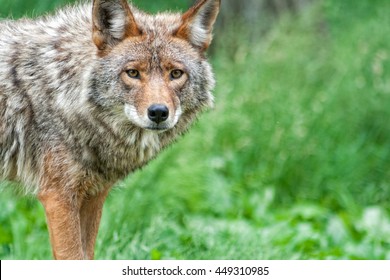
x=155, y=80
x=158, y=71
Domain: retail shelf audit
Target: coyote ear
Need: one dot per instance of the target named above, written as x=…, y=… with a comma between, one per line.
x=198, y=21
x=113, y=21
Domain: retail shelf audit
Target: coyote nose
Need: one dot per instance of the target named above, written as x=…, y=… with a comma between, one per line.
x=158, y=113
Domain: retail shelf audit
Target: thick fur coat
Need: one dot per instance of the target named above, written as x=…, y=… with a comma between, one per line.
x=89, y=95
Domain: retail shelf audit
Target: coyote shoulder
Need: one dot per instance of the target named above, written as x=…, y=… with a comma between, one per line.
x=89, y=95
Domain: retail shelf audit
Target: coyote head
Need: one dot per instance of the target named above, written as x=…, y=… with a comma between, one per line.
x=152, y=68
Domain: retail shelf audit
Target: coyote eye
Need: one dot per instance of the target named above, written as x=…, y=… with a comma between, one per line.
x=176, y=74
x=132, y=73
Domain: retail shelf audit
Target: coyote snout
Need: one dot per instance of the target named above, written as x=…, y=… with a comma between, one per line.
x=158, y=113
x=91, y=94
x=158, y=117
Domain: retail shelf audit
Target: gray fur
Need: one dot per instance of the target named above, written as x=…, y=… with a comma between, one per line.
x=58, y=94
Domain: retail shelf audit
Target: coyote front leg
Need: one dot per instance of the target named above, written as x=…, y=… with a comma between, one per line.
x=73, y=223
x=90, y=215
x=63, y=221
x=73, y=209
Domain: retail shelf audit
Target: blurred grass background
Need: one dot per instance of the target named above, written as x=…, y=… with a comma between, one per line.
x=293, y=163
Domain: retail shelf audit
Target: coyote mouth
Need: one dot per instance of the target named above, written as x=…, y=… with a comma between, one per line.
x=158, y=128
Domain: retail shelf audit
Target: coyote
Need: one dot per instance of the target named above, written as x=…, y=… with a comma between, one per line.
x=91, y=94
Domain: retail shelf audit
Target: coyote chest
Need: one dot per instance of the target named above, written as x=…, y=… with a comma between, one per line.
x=118, y=157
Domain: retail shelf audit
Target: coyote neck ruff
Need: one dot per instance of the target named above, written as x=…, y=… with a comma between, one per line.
x=92, y=93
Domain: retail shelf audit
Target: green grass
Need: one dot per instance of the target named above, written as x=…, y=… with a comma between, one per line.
x=293, y=163
x=19, y=8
